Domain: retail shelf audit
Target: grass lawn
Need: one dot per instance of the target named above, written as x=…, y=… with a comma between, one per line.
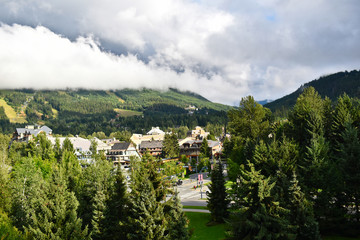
x=127, y=113
x=339, y=238
x=195, y=207
x=201, y=231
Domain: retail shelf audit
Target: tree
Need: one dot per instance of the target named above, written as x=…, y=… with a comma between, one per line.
x=117, y=209
x=177, y=222
x=250, y=120
x=217, y=198
x=301, y=213
x=54, y=215
x=350, y=167
x=204, y=149
x=146, y=218
x=307, y=117
x=171, y=146
x=258, y=213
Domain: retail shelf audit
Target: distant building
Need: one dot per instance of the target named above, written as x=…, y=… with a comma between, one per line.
x=198, y=133
x=29, y=132
x=153, y=147
x=155, y=134
x=121, y=153
x=192, y=148
x=82, y=146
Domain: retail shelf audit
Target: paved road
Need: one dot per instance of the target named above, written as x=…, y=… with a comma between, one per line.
x=190, y=196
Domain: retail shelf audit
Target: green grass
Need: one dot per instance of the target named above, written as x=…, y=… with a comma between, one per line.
x=127, y=113
x=198, y=223
x=195, y=207
x=339, y=238
x=11, y=114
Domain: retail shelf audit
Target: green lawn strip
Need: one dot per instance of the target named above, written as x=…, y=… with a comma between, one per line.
x=198, y=223
x=195, y=207
x=339, y=238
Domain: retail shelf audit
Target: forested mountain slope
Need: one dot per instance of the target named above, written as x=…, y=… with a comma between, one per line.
x=81, y=110
x=331, y=86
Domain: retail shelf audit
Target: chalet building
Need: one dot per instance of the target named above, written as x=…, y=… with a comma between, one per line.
x=122, y=152
x=155, y=134
x=82, y=146
x=30, y=132
x=153, y=147
x=197, y=133
x=192, y=148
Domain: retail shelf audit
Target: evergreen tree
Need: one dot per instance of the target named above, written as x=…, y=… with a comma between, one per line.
x=350, y=167
x=170, y=146
x=177, y=223
x=67, y=145
x=301, y=213
x=204, y=149
x=117, y=209
x=54, y=215
x=217, y=198
x=258, y=214
x=146, y=219
x=27, y=186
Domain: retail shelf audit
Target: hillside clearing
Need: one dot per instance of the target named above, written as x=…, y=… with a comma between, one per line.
x=11, y=114
x=126, y=113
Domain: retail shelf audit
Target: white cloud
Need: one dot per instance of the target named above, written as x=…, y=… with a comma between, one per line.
x=263, y=48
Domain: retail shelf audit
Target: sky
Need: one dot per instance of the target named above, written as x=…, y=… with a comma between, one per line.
x=221, y=49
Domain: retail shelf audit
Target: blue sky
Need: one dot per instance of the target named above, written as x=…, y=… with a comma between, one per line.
x=221, y=49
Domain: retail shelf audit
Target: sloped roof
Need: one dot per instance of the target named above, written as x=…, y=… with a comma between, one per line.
x=151, y=144
x=34, y=132
x=120, y=146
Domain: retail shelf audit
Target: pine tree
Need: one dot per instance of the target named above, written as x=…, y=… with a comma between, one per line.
x=301, y=213
x=217, y=198
x=146, y=218
x=54, y=216
x=117, y=208
x=349, y=158
x=177, y=223
x=204, y=149
x=258, y=214
x=171, y=146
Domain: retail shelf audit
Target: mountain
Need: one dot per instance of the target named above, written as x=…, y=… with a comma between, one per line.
x=331, y=86
x=82, y=110
x=263, y=102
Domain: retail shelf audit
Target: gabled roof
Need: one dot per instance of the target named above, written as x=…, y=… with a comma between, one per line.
x=120, y=146
x=151, y=144
x=34, y=132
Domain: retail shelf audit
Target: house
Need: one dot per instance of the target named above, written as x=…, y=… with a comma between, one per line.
x=152, y=147
x=82, y=146
x=155, y=134
x=29, y=132
x=197, y=133
x=192, y=148
x=122, y=152
x=155, y=131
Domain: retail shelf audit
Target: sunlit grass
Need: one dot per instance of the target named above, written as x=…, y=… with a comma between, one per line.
x=11, y=114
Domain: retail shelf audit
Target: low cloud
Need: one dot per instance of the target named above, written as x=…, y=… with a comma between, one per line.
x=223, y=50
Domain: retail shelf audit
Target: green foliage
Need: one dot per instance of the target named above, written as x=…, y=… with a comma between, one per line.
x=217, y=198
x=204, y=149
x=250, y=120
x=7, y=230
x=170, y=146
x=258, y=213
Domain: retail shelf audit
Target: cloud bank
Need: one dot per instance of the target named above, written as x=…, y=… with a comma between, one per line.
x=221, y=49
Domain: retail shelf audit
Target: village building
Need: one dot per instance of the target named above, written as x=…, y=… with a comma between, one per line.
x=122, y=153
x=197, y=133
x=30, y=132
x=192, y=148
x=154, y=148
x=82, y=146
x=155, y=134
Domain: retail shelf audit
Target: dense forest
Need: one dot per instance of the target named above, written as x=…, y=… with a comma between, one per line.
x=87, y=111
x=298, y=177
